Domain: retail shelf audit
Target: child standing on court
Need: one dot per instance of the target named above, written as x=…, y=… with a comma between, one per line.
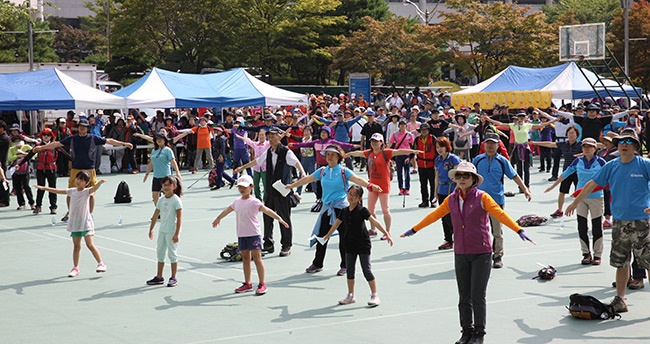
x=357, y=242
x=249, y=234
x=80, y=224
x=170, y=209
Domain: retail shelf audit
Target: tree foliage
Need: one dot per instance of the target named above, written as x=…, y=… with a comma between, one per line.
x=582, y=11
x=75, y=45
x=397, y=50
x=487, y=38
x=639, y=50
x=14, y=47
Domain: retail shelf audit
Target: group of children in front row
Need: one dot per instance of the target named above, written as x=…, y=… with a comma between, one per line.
x=469, y=208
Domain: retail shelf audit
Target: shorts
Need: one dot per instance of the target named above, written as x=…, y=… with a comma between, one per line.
x=165, y=245
x=156, y=185
x=565, y=186
x=73, y=176
x=80, y=234
x=250, y=243
x=630, y=237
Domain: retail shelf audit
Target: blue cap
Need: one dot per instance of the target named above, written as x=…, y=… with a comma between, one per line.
x=370, y=112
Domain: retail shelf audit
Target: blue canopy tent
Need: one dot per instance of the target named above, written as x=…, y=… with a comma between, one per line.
x=164, y=89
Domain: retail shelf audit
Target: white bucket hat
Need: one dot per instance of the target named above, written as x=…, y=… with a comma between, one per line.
x=466, y=166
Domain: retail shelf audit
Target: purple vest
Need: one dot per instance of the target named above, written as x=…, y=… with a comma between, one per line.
x=471, y=224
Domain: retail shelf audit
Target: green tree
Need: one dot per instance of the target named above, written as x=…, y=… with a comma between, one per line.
x=397, y=51
x=584, y=11
x=14, y=47
x=639, y=50
x=74, y=45
x=486, y=38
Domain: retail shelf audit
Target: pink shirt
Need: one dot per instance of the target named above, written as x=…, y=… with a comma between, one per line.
x=258, y=148
x=247, y=210
x=404, y=142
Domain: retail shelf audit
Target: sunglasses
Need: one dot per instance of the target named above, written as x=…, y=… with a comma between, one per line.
x=626, y=142
x=463, y=175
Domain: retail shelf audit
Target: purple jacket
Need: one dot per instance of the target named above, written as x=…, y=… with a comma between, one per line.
x=320, y=145
x=471, y=224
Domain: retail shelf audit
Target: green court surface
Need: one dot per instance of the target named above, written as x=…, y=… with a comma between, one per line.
x=416, y=283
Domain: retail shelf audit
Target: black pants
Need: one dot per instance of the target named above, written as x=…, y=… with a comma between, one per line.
x=545, y=155
x=321, y=249
x=50, y=177
x=21, y=182
x=130, y=158
x=557, y=156
x=62, y=164
x=472, y=276
x=364, y=260
x=4, y=194
x=523, y=165
x=281, y=206
x=427, y=182
x=141, y=156
x=447, y=226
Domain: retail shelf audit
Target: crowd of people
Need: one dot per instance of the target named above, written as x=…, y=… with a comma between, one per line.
x=460, y=155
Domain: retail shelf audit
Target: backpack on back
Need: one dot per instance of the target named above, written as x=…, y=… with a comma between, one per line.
x=123, y=194
x=588, y=307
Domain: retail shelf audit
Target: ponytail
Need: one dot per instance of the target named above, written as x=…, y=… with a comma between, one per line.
x=178, y=190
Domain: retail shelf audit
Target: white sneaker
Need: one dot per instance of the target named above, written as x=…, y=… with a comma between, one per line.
x=74, y=272
x=347, y=300
x=374, y=300
x=101, y=267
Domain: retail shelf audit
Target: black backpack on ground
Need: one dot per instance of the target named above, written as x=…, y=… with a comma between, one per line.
x=122, y=195
x=588, y=307
x=231, y=252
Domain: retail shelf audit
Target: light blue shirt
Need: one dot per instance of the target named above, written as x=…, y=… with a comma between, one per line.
x=168, y=207
x=445, y=184
x=332, y=181
x=492, y=171
x=585, y=170
x=628, y=184
x=161, y=160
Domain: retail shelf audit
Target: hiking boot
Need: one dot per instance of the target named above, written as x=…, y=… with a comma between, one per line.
x=313, y=268
x=467, y=335
x=498, y=263
x=156, y=280
x=586, y=260
x=557, y=214
x=261, y=289
x=607, y=224
x=596, y=261
x=101, y=267
x=618, y=304
x=172, y=282
x=446, y=246
x=74, y=272
x=286, y=251
x=423, y=205
x=348, y=299
x=244, y=288
x=635, y=284
x=374, y=300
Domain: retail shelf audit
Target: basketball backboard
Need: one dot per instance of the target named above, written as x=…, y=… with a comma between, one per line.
x=582, y=42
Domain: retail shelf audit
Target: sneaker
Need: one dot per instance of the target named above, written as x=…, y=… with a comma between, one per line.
x=423, y=205
x=596, y=261
x=344, y=271
x=348, y=299
x=66, y=217
x=244, y=288
x=607, y=224
x=372, y=232
x=383, y=237
x=286, y=251
x=213, y=187
x=401, y=192
x=268, y=249
x=434, y=204
x=52, y=211
x=101, y=267
x=261, y=289
x=374, y=300
x=619, y=304
x=446, y=246
x=498, y=263
x=557, y=214
x=586, y=260
x=37, y=210
x=408, y=192
x=74, y=272
x=172, y=282
x=552, y=179
x=156, y=280
x=635, y=284
x=21, y=207
x=313, y=268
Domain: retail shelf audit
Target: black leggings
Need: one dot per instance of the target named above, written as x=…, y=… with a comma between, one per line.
x=364, y=259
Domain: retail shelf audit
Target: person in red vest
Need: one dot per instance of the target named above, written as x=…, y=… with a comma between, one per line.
x=427, y=144
x=46, y=171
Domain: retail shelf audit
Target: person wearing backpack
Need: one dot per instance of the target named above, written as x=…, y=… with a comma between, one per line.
x=469, y=208
x=492, y=166
x=82, y=148
x=379, y=174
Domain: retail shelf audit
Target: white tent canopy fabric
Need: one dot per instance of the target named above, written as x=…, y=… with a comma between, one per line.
x=164, y=89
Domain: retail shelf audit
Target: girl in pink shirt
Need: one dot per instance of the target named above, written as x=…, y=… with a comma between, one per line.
x=259, y=172
x=249, y=235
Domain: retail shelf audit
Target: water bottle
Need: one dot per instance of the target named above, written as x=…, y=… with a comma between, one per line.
x=119, y=221
x=53, y=220
x=562, y=222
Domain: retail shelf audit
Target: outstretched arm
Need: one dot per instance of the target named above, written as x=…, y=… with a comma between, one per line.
x=266, y=210
x=223, y=214
x=49, y=189
x=95, y=187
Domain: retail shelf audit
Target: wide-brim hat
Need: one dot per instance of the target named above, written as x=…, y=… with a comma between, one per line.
x=609, y=137
x=330, y=148
x=589, y=142
x=466, y=166
x=15, y=126
x=626, y=134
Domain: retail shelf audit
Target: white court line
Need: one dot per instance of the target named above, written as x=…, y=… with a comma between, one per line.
x=148, y=259
x=383, y=316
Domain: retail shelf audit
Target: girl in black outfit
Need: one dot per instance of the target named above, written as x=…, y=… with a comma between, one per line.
x=357, y=242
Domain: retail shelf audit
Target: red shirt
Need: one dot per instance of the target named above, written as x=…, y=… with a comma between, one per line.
x=378, y=170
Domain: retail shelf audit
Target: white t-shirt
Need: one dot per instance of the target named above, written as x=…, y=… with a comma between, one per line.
x=247, y=210
x=355, y=130
x=80, y=219
x=168, y=207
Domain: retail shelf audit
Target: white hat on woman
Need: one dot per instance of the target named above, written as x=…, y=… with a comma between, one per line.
x=466, y=166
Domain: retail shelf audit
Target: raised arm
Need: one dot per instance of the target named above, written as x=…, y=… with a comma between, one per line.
x=51, y=145
x=49, y=189
x=95, y=187
x=115, y=142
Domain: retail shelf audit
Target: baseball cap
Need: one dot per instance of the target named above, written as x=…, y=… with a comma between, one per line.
x=245, y=181
x=377, y=137
x=492, y=137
